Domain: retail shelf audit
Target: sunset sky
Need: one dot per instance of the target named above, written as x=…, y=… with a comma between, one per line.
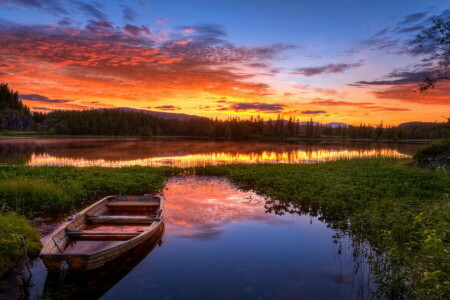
x=336, y=61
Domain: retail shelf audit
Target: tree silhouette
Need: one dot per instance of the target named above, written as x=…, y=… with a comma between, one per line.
x=435, y=41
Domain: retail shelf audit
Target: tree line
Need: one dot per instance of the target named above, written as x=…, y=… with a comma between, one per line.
x=114, y=122
x=14, y=115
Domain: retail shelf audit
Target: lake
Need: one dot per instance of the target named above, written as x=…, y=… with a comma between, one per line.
x=121, y=152
x=224, y=243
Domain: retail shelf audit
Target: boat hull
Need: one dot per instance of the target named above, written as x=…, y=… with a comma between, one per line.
x=54, y=257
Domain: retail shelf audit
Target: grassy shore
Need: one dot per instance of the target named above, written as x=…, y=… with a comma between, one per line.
x=11, y=226
x=402, y=211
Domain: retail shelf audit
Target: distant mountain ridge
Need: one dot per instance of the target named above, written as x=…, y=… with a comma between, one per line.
x=181, y=116
x=414, y=123
x=159, y=114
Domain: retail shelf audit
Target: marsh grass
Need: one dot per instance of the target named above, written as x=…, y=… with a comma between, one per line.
x=402, y=212
x=10, y=249
x=36, y=190
x=435, y=149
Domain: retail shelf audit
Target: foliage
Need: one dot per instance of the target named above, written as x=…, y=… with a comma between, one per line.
x=114, y=122
x=435, y=40
x=439, y=148
x=14, y=115
x=40, y=190
x=19, y=133
x=10, y=244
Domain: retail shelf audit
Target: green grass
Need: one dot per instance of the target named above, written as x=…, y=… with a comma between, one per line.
x=435, y=149
x=37, y=190
x=402, y=211
x=21, y=133
x=12, y=224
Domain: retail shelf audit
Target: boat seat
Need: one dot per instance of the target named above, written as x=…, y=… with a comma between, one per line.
x=121, y=219
x=103, y=235
x=132, y=203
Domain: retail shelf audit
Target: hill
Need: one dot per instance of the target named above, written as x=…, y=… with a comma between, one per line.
x=159, y=114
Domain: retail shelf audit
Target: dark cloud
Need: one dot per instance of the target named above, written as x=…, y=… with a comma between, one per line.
x=42, y=108
x=313, y=112
x=413, y=18
x=362, y=105
x=51, y=6
x=168, y=107
x=40, y=98
x=258, y=65
x=330, y=68
x=411, y=29
x=134, y=30
x=255, y=106
x=65, y=22
x=399, y=77
x=91, y=10
x=128, y=13
x=408, y=93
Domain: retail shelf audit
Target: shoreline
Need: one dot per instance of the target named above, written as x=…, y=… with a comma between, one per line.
x=194, y=138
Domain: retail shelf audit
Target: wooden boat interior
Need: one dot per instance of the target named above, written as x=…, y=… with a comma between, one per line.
x=106, y=224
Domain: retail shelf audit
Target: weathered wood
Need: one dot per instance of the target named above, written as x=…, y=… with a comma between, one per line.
x=121, y=219
x=94, y=233
x=95, y=225
x=132, y=203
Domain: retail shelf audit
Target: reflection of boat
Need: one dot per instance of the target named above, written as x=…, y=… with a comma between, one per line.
x=95, y=283
x=102, y=232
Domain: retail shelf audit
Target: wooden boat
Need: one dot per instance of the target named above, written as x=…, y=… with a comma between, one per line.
x=103, y=232
x=94, y=284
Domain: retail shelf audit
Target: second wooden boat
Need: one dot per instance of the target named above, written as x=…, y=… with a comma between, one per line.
x=103, y=232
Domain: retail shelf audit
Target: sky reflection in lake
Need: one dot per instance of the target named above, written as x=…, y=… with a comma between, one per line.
x=128, y=152
x=221, y=244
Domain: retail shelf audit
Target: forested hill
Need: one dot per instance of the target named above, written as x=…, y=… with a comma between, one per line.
x=14, y=115
x=116, y=122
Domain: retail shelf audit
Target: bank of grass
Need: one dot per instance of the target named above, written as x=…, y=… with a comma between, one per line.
x=404, y=212
x=440, y=148
x=12, y=225
x=22, y=133
x=33, y=191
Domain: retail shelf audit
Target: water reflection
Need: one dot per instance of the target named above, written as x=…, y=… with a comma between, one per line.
x=121, y=152
x=224, y=243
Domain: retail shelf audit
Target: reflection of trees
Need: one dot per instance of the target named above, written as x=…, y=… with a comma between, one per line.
x=15, y=153
x=388, y=271
x=19, y=151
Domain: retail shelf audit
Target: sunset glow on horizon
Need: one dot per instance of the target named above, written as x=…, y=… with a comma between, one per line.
x=333, y=61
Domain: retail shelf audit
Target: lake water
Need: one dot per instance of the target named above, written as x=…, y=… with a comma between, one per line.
x=224, y=243
x=122, y=152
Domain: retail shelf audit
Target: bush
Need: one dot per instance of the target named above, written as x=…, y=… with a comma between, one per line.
x=437, y=149
x=10, y=244
x=29, y=195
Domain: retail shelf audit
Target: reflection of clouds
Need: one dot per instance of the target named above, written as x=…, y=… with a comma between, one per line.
x=199, y=207
x=122, y=152
x=192, y=160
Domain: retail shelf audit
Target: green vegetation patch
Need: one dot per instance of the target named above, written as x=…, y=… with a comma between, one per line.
x=11, y=225
x=38, y=190
x=436, y=149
